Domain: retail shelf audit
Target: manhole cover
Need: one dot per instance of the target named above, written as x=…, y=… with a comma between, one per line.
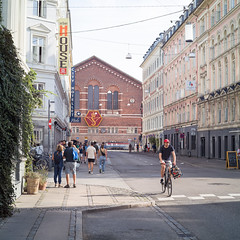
x=218, y=184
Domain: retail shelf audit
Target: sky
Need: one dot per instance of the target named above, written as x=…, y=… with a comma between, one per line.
x=112, y=44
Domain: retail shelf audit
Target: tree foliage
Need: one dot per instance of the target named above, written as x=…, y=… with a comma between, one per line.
x=18, y=99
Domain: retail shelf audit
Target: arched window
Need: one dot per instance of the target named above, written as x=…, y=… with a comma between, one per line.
x=109, y=100
x=96, y=97
x=219, y=74
x=90, y=97
x=232, y=36
x=213, y=49
x=112, y=100
x=93, y=97
x=115, y=100
x=233, y=69
x=213, y=78
x=226, y=71
x=219, y=45
x=225, y=40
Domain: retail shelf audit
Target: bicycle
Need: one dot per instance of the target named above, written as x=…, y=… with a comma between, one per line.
x=167, y=183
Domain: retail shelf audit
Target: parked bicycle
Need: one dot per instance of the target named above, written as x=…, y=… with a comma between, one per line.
x=40, y=161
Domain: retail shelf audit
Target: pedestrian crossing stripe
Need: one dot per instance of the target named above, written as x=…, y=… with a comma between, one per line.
x=200, y=197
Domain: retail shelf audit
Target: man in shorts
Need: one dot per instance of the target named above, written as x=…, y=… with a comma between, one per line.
x=70, y=164
x=165, y=153
x=91, y=156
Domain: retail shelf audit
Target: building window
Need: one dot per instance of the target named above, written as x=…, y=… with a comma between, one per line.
x=226, y=72
x=212, y=18
x=38, y=135
x=39, y=8
x=213, y=78
x=39, y=87
x=194, y=112
x=225, y=40
x=112, y=100
x=202, y=25
x=233, y=69
x=38, y=48
x=213, y=49
x=232, y=36
x=219, y=75
x=213, y=114
x=219, y=113
x=203, y=116
x=93, y=97
x=90, y=97
x=225, y=7
x=232, y=4
x=226, y=112
x=219, y=45
x=218, y=14
x=233, y=109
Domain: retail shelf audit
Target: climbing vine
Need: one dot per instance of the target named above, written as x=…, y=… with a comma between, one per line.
x=18, y=100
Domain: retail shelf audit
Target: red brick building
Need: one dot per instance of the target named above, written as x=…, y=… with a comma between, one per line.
x=109, y=101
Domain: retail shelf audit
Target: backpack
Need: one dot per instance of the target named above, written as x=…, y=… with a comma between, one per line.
x=57, y=157
x=75, y=154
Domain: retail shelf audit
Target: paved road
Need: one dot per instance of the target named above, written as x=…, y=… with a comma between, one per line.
x=205, y=201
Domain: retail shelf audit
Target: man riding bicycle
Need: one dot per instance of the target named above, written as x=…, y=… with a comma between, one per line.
x=165, y=153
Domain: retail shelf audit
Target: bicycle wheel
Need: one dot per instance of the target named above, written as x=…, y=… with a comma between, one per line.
x=41, y=164
x=169, y=185
x=164, y=184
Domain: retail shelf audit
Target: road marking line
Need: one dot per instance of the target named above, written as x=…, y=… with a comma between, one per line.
x=178, y=196
x=166, y=199
x=196, y=198
x=234, y=194
x=207, y=195
x=225, y=197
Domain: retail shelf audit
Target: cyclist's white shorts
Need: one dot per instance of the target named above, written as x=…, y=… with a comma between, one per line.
x=168, y=162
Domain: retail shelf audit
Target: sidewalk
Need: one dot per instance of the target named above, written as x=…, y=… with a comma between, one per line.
x=57, y=212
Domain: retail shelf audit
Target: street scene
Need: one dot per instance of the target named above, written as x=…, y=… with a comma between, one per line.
x=127, y=203
x=119, y=120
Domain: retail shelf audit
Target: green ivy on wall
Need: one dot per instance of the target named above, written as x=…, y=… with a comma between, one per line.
x=18, y=99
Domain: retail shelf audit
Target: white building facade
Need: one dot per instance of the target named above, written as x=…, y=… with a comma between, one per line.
x=152, y=66
x=42, y=56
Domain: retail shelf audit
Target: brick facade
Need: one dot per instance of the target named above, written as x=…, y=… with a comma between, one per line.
x=119, y=124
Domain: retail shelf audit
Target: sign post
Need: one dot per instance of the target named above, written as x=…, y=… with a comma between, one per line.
x=231, y=159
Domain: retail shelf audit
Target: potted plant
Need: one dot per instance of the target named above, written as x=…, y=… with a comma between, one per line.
x=43, y=179
x=32, y=182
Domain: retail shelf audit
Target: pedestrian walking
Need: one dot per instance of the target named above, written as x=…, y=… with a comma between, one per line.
x=91, y=156
x=102, y=155
x=70, y=164
x=81, y=153
x=58, y=165
x=96, y=147
x=130, y=147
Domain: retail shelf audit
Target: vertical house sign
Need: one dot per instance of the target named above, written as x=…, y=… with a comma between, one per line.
x=63, y=42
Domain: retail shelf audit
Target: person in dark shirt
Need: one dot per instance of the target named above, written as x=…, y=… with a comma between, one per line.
x=165, y=153
x=70, y=164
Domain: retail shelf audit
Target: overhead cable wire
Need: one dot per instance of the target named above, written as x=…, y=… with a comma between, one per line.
x=126, y=24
